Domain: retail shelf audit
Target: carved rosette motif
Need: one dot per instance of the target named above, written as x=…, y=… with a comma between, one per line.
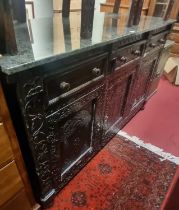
x=32, y=102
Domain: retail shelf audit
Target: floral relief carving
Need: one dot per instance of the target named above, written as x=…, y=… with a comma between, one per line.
x=32, y=100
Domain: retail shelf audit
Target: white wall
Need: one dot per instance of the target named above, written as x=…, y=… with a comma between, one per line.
x=43, y=8
x=97, y=4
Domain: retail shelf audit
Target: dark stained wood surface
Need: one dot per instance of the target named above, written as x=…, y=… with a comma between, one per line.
x=132, y=12
x=135, y=12
x=169, y=9
x=87, y=15
x=116, y=6
x=66, y=8
x=70, y=109
x=19, y=10
x=138, y=12
x=119, y=86
x=7, y=34
x=2, y=29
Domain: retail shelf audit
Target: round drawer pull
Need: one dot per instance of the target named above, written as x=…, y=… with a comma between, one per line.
x=64, y=86
x=137, y=52
x=123, y=59
x=96, y=71
x=162, y=41
x=153, y=45
x=113, y=63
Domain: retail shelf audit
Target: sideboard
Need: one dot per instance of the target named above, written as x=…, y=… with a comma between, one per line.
x=69, y=96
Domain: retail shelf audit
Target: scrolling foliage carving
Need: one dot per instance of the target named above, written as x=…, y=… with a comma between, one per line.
x=32, y=101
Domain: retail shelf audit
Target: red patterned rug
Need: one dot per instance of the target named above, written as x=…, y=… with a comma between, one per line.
x=120, y=177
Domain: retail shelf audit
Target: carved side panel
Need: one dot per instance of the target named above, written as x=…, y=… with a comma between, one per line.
x=32, y=99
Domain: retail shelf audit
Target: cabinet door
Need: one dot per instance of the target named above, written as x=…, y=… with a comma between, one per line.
x=145, y=74
x=76, y=131
x=154, y=76
x=119, y=87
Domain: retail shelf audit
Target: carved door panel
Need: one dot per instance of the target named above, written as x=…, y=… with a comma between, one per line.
x=76, y=131
x=142, y=80
x=154, y=76
x=62, y=136
x=117, y=98
x=144, y=75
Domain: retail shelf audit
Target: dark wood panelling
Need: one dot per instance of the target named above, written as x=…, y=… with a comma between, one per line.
x=87, y=16
x=119, y=88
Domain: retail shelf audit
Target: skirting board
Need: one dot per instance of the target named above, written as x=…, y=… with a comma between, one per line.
x=140, y=143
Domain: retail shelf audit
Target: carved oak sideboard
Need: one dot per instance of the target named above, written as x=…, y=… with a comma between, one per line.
x=67, y=104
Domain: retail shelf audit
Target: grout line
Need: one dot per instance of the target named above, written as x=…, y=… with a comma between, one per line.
x=140, y=143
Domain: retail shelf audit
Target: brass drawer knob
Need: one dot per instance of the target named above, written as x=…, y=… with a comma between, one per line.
x=162, y=41
x=65, y=86
x=153, y=45
x=137, y=52
x=113, y=63
x=123, y=59
x=96, y=71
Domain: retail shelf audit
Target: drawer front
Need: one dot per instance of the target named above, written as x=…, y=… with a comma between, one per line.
x=18, y=202
x=5, y=147
x=175, y=48
x=127, y=54
x=174, y=37
x=156, y=41
x=92, y=69
x=10, y=182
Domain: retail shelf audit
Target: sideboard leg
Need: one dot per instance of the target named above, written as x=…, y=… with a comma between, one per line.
x=66, y=8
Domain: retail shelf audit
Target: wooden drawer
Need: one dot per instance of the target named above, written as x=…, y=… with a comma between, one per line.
x=18, y=202
x=76, y=75
x=174, y=37
x=175, y=48
x=127, y=54
x=10, y=182
x=5, y=147
x=156, y=41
